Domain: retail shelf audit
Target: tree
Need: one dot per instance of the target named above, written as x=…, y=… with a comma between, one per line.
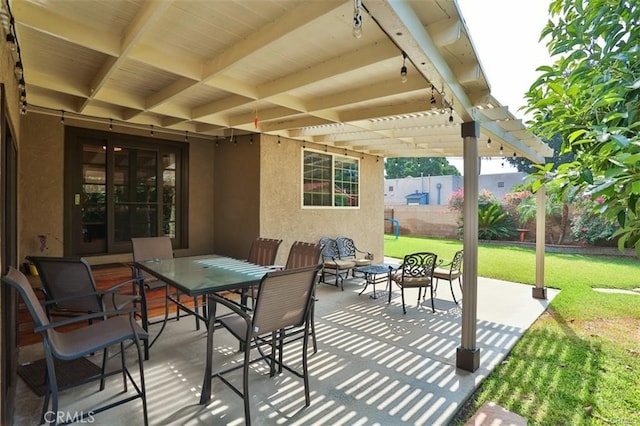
x=590, y=96
x=559, y=157
x=418, y=166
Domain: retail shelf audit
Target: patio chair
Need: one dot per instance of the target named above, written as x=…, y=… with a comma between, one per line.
x=115, y=328
x=450, y=270
x=263, y=252
x=70, y=281
x=284, y=300
x=348, y=251
x=302, y=255
x=416, y=271
x=150, y=248
x=332, y=263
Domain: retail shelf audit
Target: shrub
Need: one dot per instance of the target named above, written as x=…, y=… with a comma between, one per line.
x=588, y=225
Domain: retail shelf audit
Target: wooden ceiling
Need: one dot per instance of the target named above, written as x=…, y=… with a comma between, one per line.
x=283, y=67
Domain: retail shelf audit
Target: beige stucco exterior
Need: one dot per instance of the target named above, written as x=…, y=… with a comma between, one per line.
x=238, y=190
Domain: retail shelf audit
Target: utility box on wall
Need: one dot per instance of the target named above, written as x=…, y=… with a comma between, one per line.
x=418, y=199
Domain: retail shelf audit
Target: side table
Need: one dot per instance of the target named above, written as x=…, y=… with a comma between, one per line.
x=375, y=274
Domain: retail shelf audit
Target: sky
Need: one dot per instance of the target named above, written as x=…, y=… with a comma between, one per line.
x=505, y=34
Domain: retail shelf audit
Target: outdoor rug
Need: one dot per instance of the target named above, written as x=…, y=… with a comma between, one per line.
x=67, y=373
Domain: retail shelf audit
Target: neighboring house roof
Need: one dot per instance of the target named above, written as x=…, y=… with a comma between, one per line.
x=288, y=68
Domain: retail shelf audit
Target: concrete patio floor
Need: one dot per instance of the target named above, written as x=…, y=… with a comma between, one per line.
x=374, y=366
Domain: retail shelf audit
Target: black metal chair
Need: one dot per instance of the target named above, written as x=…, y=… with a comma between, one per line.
x=333, y=264
x=114, y=328
x=416, y=271
x=450, y=270
x=284, y=300
x=348, y=250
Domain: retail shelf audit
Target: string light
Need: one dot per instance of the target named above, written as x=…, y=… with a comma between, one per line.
x=278, y=140
x=433, y=98
x=501, y=150
x=110, y=124
x=19, y=70
x=62, y=117
x=186, y=136
x=357, y=19
x=489, y=143
x=403, y=70
x=151, y=131
x=11, y=42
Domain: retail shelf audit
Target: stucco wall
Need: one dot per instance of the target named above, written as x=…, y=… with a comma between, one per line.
x=41, y=162
x=432, y=221
x=237, y=198
x=281, y=206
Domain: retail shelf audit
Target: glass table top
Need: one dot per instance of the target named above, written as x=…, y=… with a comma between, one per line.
x=195, y=275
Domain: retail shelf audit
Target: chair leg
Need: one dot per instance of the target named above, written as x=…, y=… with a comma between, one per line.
x=143, y=392
x=52, y=389
x=123, y=366
x=402, y=293
x=313, y=326
x=196, y=308
x=452, y=295
x=433, y=307
x=105, y=356
x=245, y=384
x=305, y=370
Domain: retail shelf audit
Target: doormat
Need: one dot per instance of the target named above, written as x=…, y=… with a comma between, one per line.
x=67, y=373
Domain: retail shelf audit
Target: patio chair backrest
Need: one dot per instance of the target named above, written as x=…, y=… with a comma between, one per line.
x=263, y=251
x=68, y=277
x=346, y=247
x=149, y=248
x=17, y=280
x=419, y=265
x=456, y=262
x=303, y=254
x=284, y=299
x=329, y=248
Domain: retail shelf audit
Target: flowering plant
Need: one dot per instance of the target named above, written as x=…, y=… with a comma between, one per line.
x=588, y=225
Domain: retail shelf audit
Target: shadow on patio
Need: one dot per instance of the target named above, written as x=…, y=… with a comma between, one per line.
x=374, y=365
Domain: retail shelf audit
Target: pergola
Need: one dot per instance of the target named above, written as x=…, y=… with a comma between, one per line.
x=292, y=68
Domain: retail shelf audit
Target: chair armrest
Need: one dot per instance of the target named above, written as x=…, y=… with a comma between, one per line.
x=232, y=305
x=444, y=262
x=83, y=318
x=117, y=287
x=72, y=297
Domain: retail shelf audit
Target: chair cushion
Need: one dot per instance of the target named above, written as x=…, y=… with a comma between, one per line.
x=363, y=262
x=443, y=274
x=339, y=264
x=410, y=281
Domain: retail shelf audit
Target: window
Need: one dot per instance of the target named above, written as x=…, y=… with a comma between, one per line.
x=330, y=180
x=500, y=184
x=123, y=187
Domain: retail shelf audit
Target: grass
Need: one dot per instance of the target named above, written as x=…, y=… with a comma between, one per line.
x=579, y=363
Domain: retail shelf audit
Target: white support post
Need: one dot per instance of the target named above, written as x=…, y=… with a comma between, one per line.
x=467, y=355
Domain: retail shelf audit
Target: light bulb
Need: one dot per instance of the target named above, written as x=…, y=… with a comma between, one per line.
x=403, y=74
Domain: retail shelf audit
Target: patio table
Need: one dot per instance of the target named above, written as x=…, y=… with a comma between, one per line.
x=375, y=274
x=205, y=275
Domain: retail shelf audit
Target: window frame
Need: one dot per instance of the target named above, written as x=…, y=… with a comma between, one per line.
x=75, y=138
x=333, y=156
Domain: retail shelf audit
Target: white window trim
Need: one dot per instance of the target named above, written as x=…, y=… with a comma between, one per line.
x=333, y=157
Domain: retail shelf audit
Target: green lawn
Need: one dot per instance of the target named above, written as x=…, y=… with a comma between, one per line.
x=580, y=361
